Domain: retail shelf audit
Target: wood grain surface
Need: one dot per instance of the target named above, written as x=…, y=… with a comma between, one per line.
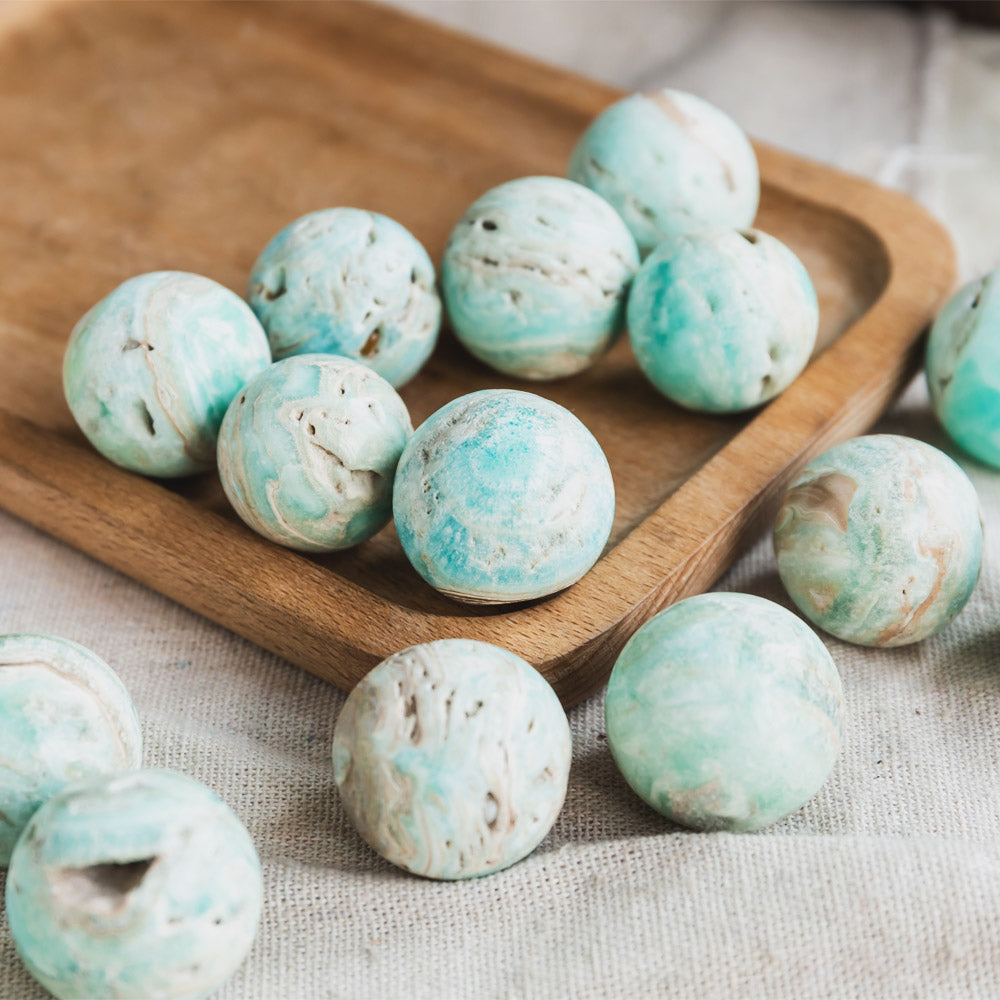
x=138, y=137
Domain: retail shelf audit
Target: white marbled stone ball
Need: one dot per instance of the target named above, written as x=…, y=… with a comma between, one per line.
x=308, y=452
x=149, y=371
x=670, y=163
x=535, y=277
x=502, y=496
x=348, y=282
x=64, y=715
x=452, y=758
x=722, y=320
x=137, y=886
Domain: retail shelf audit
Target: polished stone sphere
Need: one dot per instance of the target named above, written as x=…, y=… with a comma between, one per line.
x=452, y=758
x=149, y=371
x=963, y=367
x=142, y=885
x=670, y=163
x=879, y=540
x=724, y=712
x=348, y=282
x=502, y=496
x=64, y=715
x=308, y=452
x=722, y=321
x=535, y=276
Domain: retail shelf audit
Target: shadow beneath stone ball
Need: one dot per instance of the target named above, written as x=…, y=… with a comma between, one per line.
x=312, y=828
x=971, y=664
x=306, y=825
x=766, y=584
x=601, y=807
x=380, y=567
x=921, y=423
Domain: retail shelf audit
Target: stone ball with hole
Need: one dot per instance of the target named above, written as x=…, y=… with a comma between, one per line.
x=724, y=712
x=670, y=163
x=149, y=371
x=452, y=758
x=140, y=885
x=963, y=367
x=722, y=321
x=535, y=276
x=502, y=496
x=879, y=540
x=64, y=715
x=308, y=452
x=348, y=282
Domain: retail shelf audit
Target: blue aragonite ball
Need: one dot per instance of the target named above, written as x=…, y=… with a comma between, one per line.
x=452, y=758
x=502, y=496
x=670, y=163
x=149, y=371
x=722, y=321
x=344, y=281
x=64, y=715
x=535, y=276
x=963, y=367
x=724, y=712
x=879, y=540
x=308, y=451
x=144, y=885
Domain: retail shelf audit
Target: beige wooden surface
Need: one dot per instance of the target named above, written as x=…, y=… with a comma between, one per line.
x=140, y=136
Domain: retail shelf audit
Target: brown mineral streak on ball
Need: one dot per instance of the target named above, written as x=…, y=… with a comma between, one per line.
x=370, y=346
x=157, y=388
x=908, y=618
x=698, y=805
x=822, y=597
x=826, y=498
x=675, y=114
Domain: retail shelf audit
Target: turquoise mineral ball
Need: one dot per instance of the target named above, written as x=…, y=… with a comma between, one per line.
x=722, y=321
x=535, y=277
x=670, y=163
x=308, y=452
x=343, y=281
x=724, y=712
x=143, y=885
x=64, y=715
x=963, y=367
x=879, y=540
x=452, y=758
x=149, y=371
x=502, y=496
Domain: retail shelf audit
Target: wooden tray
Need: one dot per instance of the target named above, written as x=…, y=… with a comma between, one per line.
x=136, y=137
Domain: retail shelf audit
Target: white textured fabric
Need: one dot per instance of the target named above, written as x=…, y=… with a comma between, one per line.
x=886, y=885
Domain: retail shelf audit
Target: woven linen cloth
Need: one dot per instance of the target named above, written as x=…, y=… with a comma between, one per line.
x=885, y=885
